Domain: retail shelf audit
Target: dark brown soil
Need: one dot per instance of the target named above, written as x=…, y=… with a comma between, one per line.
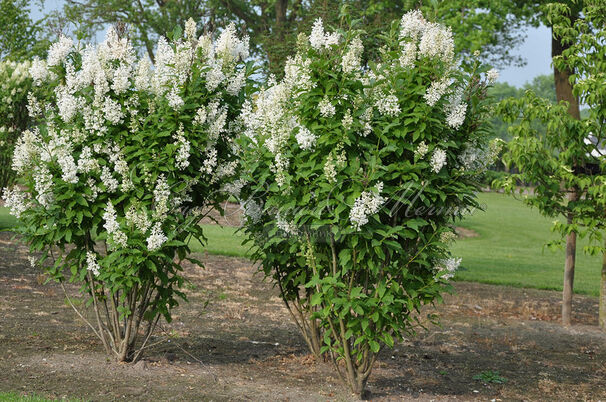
x=243, y=346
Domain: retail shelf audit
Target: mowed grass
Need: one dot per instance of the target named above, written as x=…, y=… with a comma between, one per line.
x=7, y=221
x=15, y=397
x=221, y=240
x=509, y=249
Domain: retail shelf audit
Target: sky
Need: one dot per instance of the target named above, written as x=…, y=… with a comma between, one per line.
x=536, y=49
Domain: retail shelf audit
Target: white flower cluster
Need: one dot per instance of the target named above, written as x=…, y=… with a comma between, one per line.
x=492, y=76
x=436, y=90
x=455, y=110
x=434, y=40
x=367, y=204
x=446, y=268
x=353, y=56
x=15, y=200
x=252, y=209
x=183, y=149
x=157, y=237
x=388, y=105
x=327, y=109
x=420, y=38
x=137, y=218
x=112, y=226
x=477, y=158
x=319, y=39
x=305, y=138
x=59, y=51
x=421, y=150
x=287, y=227
x=438, y=160
x=91, y=263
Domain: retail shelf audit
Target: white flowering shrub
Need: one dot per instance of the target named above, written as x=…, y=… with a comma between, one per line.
x=15, y=84
x=127, y=160
x=357, y=174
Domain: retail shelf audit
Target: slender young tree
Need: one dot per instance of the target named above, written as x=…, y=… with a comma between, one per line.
x=564, y=159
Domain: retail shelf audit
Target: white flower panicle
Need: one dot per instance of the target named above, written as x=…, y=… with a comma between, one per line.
x=112, y=227
x=436, y=90
x=43, y=186
x=319, y=39
x=209, y=164
x=108, y=180
x=437, y=43
x=91, y=263
x=15, y=200
x=252, y=209
x=455, y=110
x=87, y=163
x=446, y=268
x=408, y=56
x=183, y=149
x=236, y=82
x=438, y=160
x=59, y=51
x=353, y=56
x=492, y=76
x=388, y=105
x=327, y=109
x=347, y=120
x=190, y=29
x=421, y=150
x=161, y=196
x=456, y=115
x=174, y=100
x=156, y=238
x=38, y=71
x=287, y=227
x=230, y=47
x=137, y=218
x=412, y=25
x=367, y=204
x=305, y=138
x=477, y=158
x=434, y=40
x=68, y=166
x=26, y=149
x=143, y=76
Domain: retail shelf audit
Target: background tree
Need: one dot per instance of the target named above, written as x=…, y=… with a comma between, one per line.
x=584, y=54
x=20, y=35
x=542, y=85
x=493, y=28
x=564, y=160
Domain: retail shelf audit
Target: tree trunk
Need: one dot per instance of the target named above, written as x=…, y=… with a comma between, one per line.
x=571, y=246
x=602, y=319
x=563, y=89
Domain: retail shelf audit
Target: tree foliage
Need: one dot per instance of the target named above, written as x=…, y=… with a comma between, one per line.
x=20, y=36
x=542, y=85
x=562, y=154
x=491, y=27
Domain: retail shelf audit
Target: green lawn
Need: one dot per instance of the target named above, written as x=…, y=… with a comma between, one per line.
x=6, y=220
x=15, y=397
x=222, y=240
x=509, y=249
